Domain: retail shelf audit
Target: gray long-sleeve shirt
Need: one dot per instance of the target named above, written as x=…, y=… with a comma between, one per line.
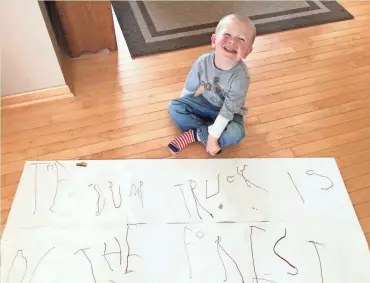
x=226, y=89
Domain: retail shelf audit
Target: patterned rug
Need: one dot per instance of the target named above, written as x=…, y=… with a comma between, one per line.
x=158, y=26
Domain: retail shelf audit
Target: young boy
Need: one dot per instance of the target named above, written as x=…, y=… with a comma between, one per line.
x=215, y=118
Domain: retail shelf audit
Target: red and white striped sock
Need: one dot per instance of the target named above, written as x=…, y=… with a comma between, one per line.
x=183, y=140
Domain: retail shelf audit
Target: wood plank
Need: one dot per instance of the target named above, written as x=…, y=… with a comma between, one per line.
x=117, y=112
x=6, y=203
x=134, y=103
x=351, y=159
x=360, y=21
x=257, y=75
x=289, y=107
x=290, y=142
x=360, y=196
x=106, y=67
x=66, y=141
x=122, y=125
x=166, y=67
x=365, y=224
x=12, y=178
x=155, y=83
x=326, y=86
x=8, y=128
x=338, y=33
x=138, y=79
x=343, y=150
x=328, y=127
x=297, y=33
x=356, y=170
x=355, y=37
x=324, y=52
x=4, y=216
x=359, y=10
x=284, y=153
x=109, y=108
x=118, y=116
x=361, y=61
x=151, y=146
x=329, y=142
x=120, y=95
x=152, y=154
x=308, y=82
x=311, y=116
x=363, y=210
x=8, y=191
x=41, y=109
x=358, y=183
x=347, y=4
x=300, y=76
x=270, y=53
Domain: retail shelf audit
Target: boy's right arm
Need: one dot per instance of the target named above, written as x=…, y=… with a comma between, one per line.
x=192, y=83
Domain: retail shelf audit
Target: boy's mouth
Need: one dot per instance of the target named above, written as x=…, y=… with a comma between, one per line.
x=229, y=50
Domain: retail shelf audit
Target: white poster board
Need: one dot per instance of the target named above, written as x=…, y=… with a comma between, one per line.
x=158, y=221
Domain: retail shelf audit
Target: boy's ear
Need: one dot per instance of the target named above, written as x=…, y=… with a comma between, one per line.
x=249, y=50
x=213, y=40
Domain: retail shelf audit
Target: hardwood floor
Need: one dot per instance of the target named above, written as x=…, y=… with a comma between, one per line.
x=310, y=96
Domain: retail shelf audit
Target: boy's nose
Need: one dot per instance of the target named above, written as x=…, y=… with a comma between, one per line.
x=232, y=41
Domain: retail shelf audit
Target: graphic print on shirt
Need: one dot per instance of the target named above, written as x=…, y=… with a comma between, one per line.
x=214, y=87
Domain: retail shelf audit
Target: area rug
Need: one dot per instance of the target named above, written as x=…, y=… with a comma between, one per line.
x=159, y=26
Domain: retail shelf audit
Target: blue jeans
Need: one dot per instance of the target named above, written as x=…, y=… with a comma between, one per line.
x=195, y=112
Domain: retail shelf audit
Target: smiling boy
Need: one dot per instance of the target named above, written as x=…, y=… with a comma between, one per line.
x=215, y=117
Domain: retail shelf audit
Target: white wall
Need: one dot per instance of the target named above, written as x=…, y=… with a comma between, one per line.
x=28, y=58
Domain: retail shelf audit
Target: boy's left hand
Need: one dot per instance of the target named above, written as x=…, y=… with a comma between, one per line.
x=212, y=145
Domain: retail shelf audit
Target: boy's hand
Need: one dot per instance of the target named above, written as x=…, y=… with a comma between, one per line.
x=212, y=145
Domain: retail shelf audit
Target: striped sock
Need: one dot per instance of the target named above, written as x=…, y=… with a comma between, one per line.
x=183, y=140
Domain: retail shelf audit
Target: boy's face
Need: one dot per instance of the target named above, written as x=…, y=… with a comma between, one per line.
x=232, y=40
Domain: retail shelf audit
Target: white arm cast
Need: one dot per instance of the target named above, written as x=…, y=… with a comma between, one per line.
x=218, y=126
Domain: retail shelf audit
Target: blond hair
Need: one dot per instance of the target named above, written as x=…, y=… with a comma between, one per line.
x=240, y=18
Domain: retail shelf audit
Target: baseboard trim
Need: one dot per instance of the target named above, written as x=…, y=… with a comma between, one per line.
x=34, y=97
